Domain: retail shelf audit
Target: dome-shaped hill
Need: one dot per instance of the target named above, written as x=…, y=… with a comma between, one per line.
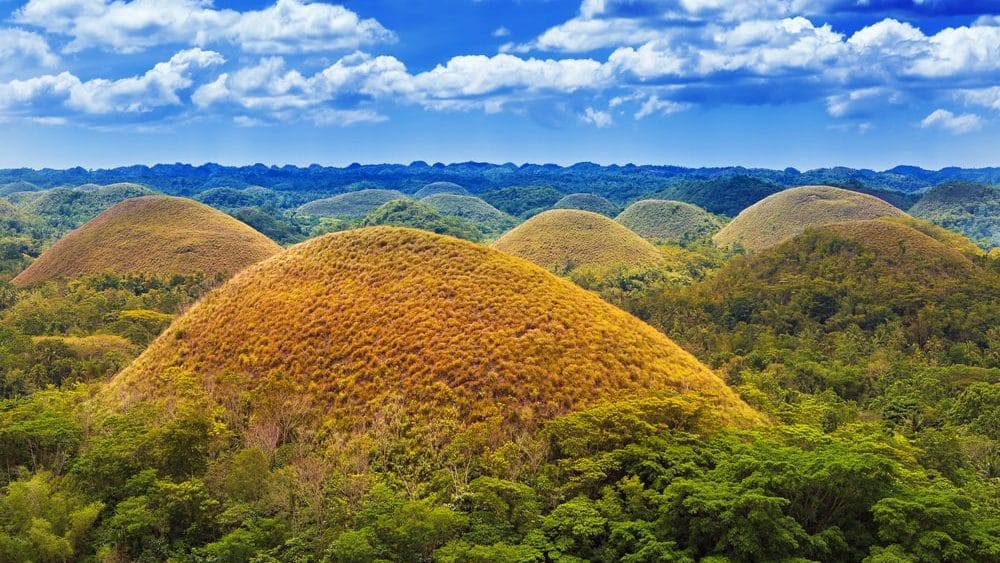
x=569, y=238
x=8, y=210
x=785, y=214
x=350, y=204
x=435, y=188
x=668, y=221
x=587, y=202
x=363, y=319
x=485, y=217
x=153, y=234
x=19, y=186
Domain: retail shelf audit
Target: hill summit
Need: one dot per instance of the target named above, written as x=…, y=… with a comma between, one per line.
x=785, y=214
x=568, y=238
x=156, y=235
x=357, y=320
x=669, y=221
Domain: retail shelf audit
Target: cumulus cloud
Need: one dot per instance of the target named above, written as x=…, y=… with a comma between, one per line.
x=655, y=106
x=596, y=118
x=20, y=50
x=957, y=124
x=288, y=26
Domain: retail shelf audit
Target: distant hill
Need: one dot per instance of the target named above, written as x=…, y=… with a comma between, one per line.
x=359, y=325
x=68, y=208
x=156, y=235
x=566, y=239
x=969, y=208
x=231, y=198
x=350, y=204
x=523, y=201
x=435, y=188
x=588, y=202
x=419, y=215
x=488, y=219
x=790, y=212
x=668, y=221
x=725, y=196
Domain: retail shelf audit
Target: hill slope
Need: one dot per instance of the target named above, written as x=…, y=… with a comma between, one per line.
x=588, y=202
x=67, y=208
x=668, y=221
x=569, y=238
x=416, y=214
x=350, y=204
x=435, y=188
x=153, y=234
x=362, y=319
x=785, y=214
x=969, y=208
x=488, y=219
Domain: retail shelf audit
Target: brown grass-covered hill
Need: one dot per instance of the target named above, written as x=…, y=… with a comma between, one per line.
x=350, y=204
x=661, y=220
x=588, y=202
x=156, y=235
x=785, y=214
x=349, y=323
x=435, y=188
x=566, y=239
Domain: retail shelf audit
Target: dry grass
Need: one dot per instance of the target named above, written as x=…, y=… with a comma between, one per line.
x=154, y=235
x=435, y=188
x=951, y=238
x=661, y=220
x=351, y=204
x=588, y=202
x=565, y=239
x=783, y=215
x=361, y=319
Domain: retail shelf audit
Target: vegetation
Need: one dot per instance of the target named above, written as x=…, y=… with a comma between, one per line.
x=784, y=215
x=588, y=202
x=64, y=209
x=672, y=222
x=523, y=201
x=488, y=219
x=282, y=227
x=567, y=239
x=153, y=235
x=435, y=188
x=350, y=204
x=341, y=327
x=419, y=215
x=231, y=199
x=969, y=208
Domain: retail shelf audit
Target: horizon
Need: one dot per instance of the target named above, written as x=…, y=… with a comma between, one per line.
x=104, y=84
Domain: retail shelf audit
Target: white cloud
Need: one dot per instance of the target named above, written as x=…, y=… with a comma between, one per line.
x=501, y=32
x=288, y=26
x=596, y=118
x=20, y=50
x=857, y=103
x=986, y=97
x=654, y=105
x=957, y=124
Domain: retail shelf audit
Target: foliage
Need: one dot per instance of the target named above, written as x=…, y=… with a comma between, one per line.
x=488, y=219
x=523, y=201
x=419, y=215
x=970, y=208
x=281, y=227
x=350, y=204
x=675, y=222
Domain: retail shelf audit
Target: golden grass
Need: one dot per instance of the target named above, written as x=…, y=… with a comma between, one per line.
x=358, y=319
x=951, y=238
x=661, y=220
x=155, y=235
x=785, y=214
x=565, y=239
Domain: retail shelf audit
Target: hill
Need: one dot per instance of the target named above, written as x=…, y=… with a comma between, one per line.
x=435, y=188
x=68, y=208
x=668, y=221
x=358, y=321
x=230, y=199
x=488, y=219
x=785, y=214
x=523, y=201
x=587, y=202
x=156, y=235
x=418, y=215
x=565, y=239
x=969, y=208
x=350, y=204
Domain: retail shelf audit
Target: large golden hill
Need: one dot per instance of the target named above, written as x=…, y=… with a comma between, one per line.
x=668, y=221
x=785, y=214
x=358, y=320
x=153, y=234
x=569, y=238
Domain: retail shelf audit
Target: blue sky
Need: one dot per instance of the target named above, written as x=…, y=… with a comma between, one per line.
x=775, y=83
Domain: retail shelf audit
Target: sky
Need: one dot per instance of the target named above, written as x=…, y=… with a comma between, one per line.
x=765, y=83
